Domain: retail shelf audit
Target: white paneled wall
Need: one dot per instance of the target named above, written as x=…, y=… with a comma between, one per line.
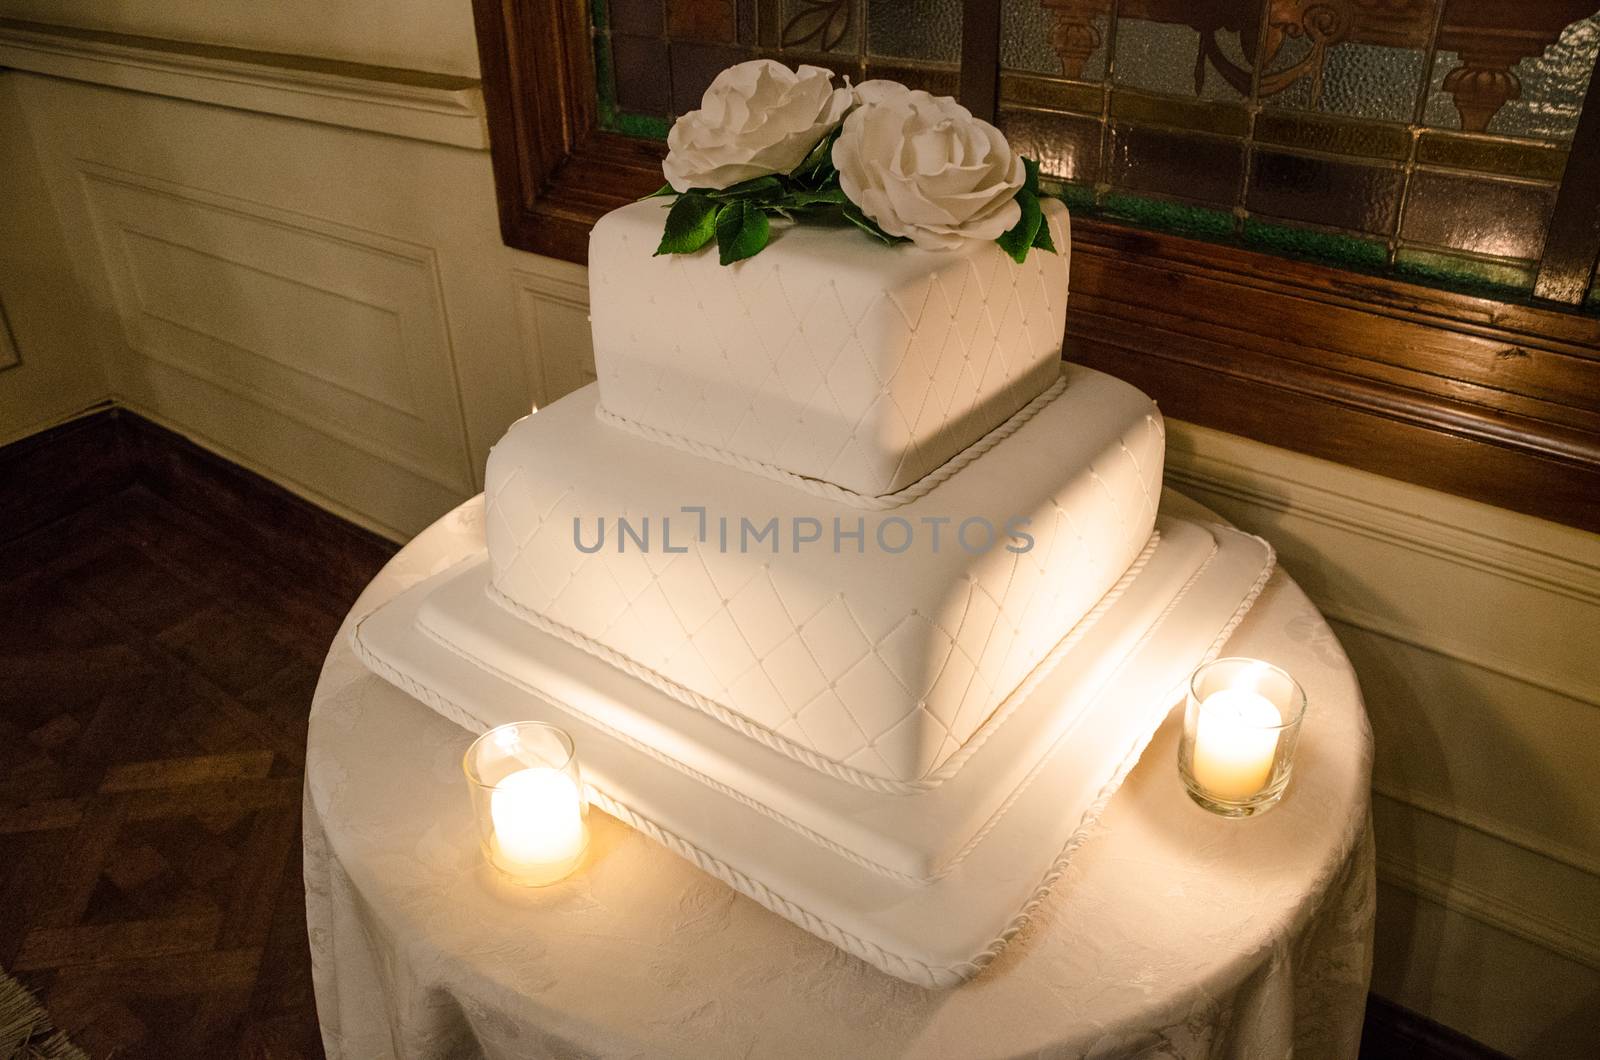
x=51, y=366
x=1476, y=634
x=330, y=305
x=308, y=277
x=433, y=35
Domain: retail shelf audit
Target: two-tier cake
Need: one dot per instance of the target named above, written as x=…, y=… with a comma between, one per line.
x=847, y=588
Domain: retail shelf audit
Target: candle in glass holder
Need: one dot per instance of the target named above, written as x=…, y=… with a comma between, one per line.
x=528, y=801
x=539, y=833
x=1235, y=742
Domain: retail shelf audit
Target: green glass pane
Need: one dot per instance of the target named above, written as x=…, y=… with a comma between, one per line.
x=1140, y=108
x=1462, y=273
x=1034, y=91
x=1536, y=160
x=1351, y=252
x=1333, y=136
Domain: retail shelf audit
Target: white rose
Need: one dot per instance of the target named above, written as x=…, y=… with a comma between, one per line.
x=923, y=167
x=757, y=118
x=879, y=91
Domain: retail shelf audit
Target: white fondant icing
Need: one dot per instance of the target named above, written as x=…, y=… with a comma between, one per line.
x=828, y=354
x=918, y=836
x=935, y=934
x=883, y=663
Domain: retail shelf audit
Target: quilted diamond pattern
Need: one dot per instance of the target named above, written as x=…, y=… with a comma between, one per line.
x=886, y=663
x=834, y=358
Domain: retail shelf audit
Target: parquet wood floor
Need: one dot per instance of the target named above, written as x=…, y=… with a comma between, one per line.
x=156, y=667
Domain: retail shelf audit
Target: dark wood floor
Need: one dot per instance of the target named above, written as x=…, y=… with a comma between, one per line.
x=158, y=660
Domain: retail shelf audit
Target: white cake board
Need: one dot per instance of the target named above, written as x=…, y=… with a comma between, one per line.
x=989, y=879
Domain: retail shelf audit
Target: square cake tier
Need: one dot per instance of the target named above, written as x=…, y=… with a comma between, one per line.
x=828, y=354
x=870, y=645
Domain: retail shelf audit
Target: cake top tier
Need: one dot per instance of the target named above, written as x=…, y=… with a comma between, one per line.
x=828, y=357
x=909, y=294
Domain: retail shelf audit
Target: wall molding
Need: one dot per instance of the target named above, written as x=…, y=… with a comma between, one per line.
x=9, y=356
x=413, y=104
x=1537, y=845
x=426, y=343
x=1390, y=525
x=1491, y=910
x=1580, y=690
x=529, y=291
x=1496, y=555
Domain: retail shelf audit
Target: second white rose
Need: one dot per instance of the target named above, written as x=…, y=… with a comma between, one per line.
x=922, y=167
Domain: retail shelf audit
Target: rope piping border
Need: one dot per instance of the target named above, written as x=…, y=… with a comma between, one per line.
x=833, y=491
x=807, y=756
x=909, y=969
x=666, y=759
x=848, y=854
x=990, y=823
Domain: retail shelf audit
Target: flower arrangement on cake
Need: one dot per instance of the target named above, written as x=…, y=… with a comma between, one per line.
x=898, y=163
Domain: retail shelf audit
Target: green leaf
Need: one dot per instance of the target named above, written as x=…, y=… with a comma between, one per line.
x=816, y=169
x=803, y=197
x=1042, y=240
x=761, y=188
x=661, y=192
x=1017, y=239
x=742, y=230
x=690, y=224
x=1030, y=178
x=853, y=214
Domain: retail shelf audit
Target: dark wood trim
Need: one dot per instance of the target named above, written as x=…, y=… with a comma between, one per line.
x=1572, y=249
x=538, y=87
x=50, y=475
x=1496, y=401
x=1484, y=399
x=1392, y=1031
x=980, y=57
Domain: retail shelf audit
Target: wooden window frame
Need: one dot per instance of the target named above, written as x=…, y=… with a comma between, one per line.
x=1491, y=400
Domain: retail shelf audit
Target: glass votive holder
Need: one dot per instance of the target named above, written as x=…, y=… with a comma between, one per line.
x=527, y=798
x=1240, y=726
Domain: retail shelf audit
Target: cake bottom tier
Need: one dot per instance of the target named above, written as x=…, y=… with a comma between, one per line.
x=935, y=932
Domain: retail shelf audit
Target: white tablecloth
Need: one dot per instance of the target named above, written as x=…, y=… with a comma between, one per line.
x=1173, y=933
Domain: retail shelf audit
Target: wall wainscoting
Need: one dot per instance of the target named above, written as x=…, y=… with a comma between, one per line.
x=1462, y=622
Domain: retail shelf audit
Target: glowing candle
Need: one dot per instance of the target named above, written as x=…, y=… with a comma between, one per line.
x=1235, y=743
x=539, y=833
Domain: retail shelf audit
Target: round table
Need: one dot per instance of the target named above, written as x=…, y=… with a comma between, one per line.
x=1172, y=933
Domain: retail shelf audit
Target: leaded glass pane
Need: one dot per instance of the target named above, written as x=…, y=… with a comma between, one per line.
x=1351, y=130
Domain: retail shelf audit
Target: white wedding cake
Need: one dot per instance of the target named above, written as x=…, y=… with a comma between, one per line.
x=847, y=588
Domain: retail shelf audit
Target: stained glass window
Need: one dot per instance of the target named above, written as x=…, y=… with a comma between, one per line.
x=1423, y=137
